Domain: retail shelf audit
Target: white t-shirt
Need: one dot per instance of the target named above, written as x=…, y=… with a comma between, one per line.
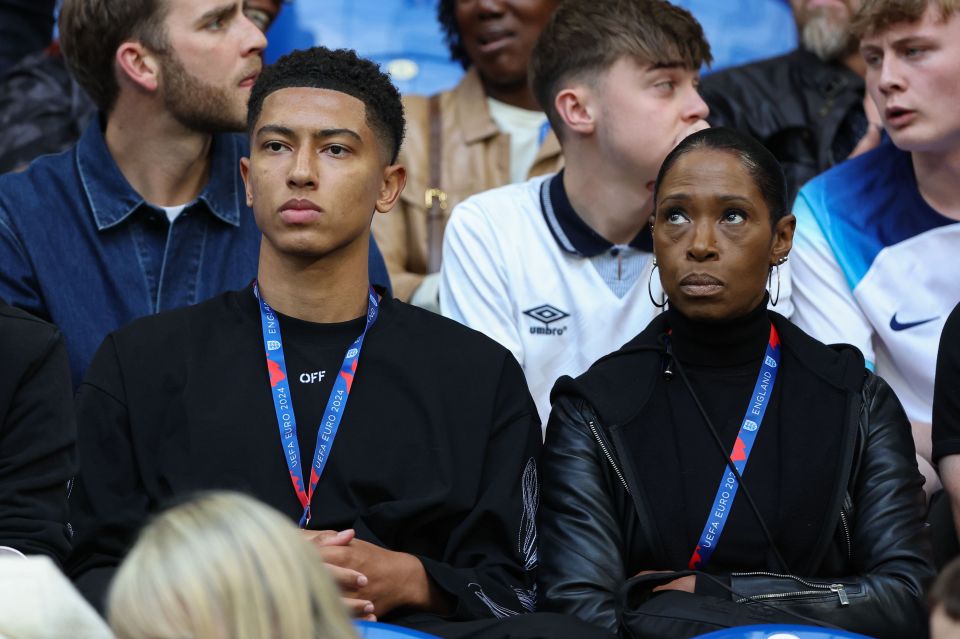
x=877, y=267
x=173, y=211
x=526, y=130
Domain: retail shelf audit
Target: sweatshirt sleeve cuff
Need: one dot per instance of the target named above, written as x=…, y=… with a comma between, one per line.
x=468, y=599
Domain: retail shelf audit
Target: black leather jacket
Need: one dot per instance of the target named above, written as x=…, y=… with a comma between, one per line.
x=593, y=511
x=809, y=113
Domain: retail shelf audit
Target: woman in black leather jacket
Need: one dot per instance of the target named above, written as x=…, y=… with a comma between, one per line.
x=826, y=524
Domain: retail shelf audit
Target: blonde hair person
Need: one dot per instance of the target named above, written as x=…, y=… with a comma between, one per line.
x=225, y=565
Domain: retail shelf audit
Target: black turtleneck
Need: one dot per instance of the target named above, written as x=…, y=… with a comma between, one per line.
x=720, y=344
x=684, y=464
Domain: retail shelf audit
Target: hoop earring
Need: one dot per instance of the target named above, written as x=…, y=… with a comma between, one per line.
x=663, y=296
x=774, y=300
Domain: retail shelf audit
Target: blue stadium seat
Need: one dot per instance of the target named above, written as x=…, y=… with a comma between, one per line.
x=781, y=632
x=377, y=630
x=403, y=35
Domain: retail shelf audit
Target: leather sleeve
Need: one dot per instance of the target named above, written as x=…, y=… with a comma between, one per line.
x=891, y=563
x=581, y=542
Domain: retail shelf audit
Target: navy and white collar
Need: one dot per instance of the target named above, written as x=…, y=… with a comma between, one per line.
x=570, y=231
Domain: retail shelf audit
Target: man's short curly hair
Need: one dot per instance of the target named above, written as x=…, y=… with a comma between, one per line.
x=447, y=17
x=337, y=70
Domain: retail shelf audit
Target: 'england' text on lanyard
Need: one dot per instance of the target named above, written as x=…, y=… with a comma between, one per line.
x=282, y=402
x=749, y=428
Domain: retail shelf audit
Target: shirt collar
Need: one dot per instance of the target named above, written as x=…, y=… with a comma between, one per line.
x=570, y=231
x=113, y=200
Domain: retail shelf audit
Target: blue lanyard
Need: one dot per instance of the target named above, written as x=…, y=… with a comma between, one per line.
x=282, y=401
x=749, y=428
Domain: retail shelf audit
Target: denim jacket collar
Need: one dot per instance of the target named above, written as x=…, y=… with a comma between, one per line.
x=113, y=200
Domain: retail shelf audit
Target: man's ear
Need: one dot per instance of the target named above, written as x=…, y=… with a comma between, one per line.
x=782, y=238
x=139, y=65
x=245, y=174
x=576, y=105
x=394, y=179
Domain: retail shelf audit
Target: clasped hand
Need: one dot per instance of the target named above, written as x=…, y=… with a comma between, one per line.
x=687, y=583
x=372, y=580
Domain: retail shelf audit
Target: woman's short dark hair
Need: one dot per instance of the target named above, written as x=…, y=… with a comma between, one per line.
x=759, y=162
x=447, y=17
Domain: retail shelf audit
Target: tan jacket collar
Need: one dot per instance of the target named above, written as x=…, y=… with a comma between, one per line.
x=473, y=114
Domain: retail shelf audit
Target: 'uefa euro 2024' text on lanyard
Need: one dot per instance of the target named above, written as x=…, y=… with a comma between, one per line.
x=282, y=402
x=749, y=428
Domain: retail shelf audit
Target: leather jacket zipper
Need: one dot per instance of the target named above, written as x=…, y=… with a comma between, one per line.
x=815, y=589
x=606, y=452
x=846, y=534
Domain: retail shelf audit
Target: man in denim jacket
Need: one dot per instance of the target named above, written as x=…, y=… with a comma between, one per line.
x=147, y=212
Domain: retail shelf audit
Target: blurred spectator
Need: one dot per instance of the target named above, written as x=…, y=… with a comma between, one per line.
x=556, y=269
x=877, y=237
x=486, y=132
x=38, y=437
x=26, y=26
x=43, y=109
x=224, y=565
x=145, y=213
x=37, y=602
x=262, y=12
x=944, y=602
x=946, y=428
x=808, y=107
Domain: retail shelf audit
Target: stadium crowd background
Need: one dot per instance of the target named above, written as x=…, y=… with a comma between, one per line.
x=403, y=37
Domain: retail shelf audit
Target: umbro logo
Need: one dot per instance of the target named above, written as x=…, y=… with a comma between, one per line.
x=547, y=314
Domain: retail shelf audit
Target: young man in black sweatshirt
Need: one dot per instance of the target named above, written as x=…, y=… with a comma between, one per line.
x=426, y=510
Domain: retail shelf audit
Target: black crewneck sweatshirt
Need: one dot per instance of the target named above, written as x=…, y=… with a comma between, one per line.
x=435, y=455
